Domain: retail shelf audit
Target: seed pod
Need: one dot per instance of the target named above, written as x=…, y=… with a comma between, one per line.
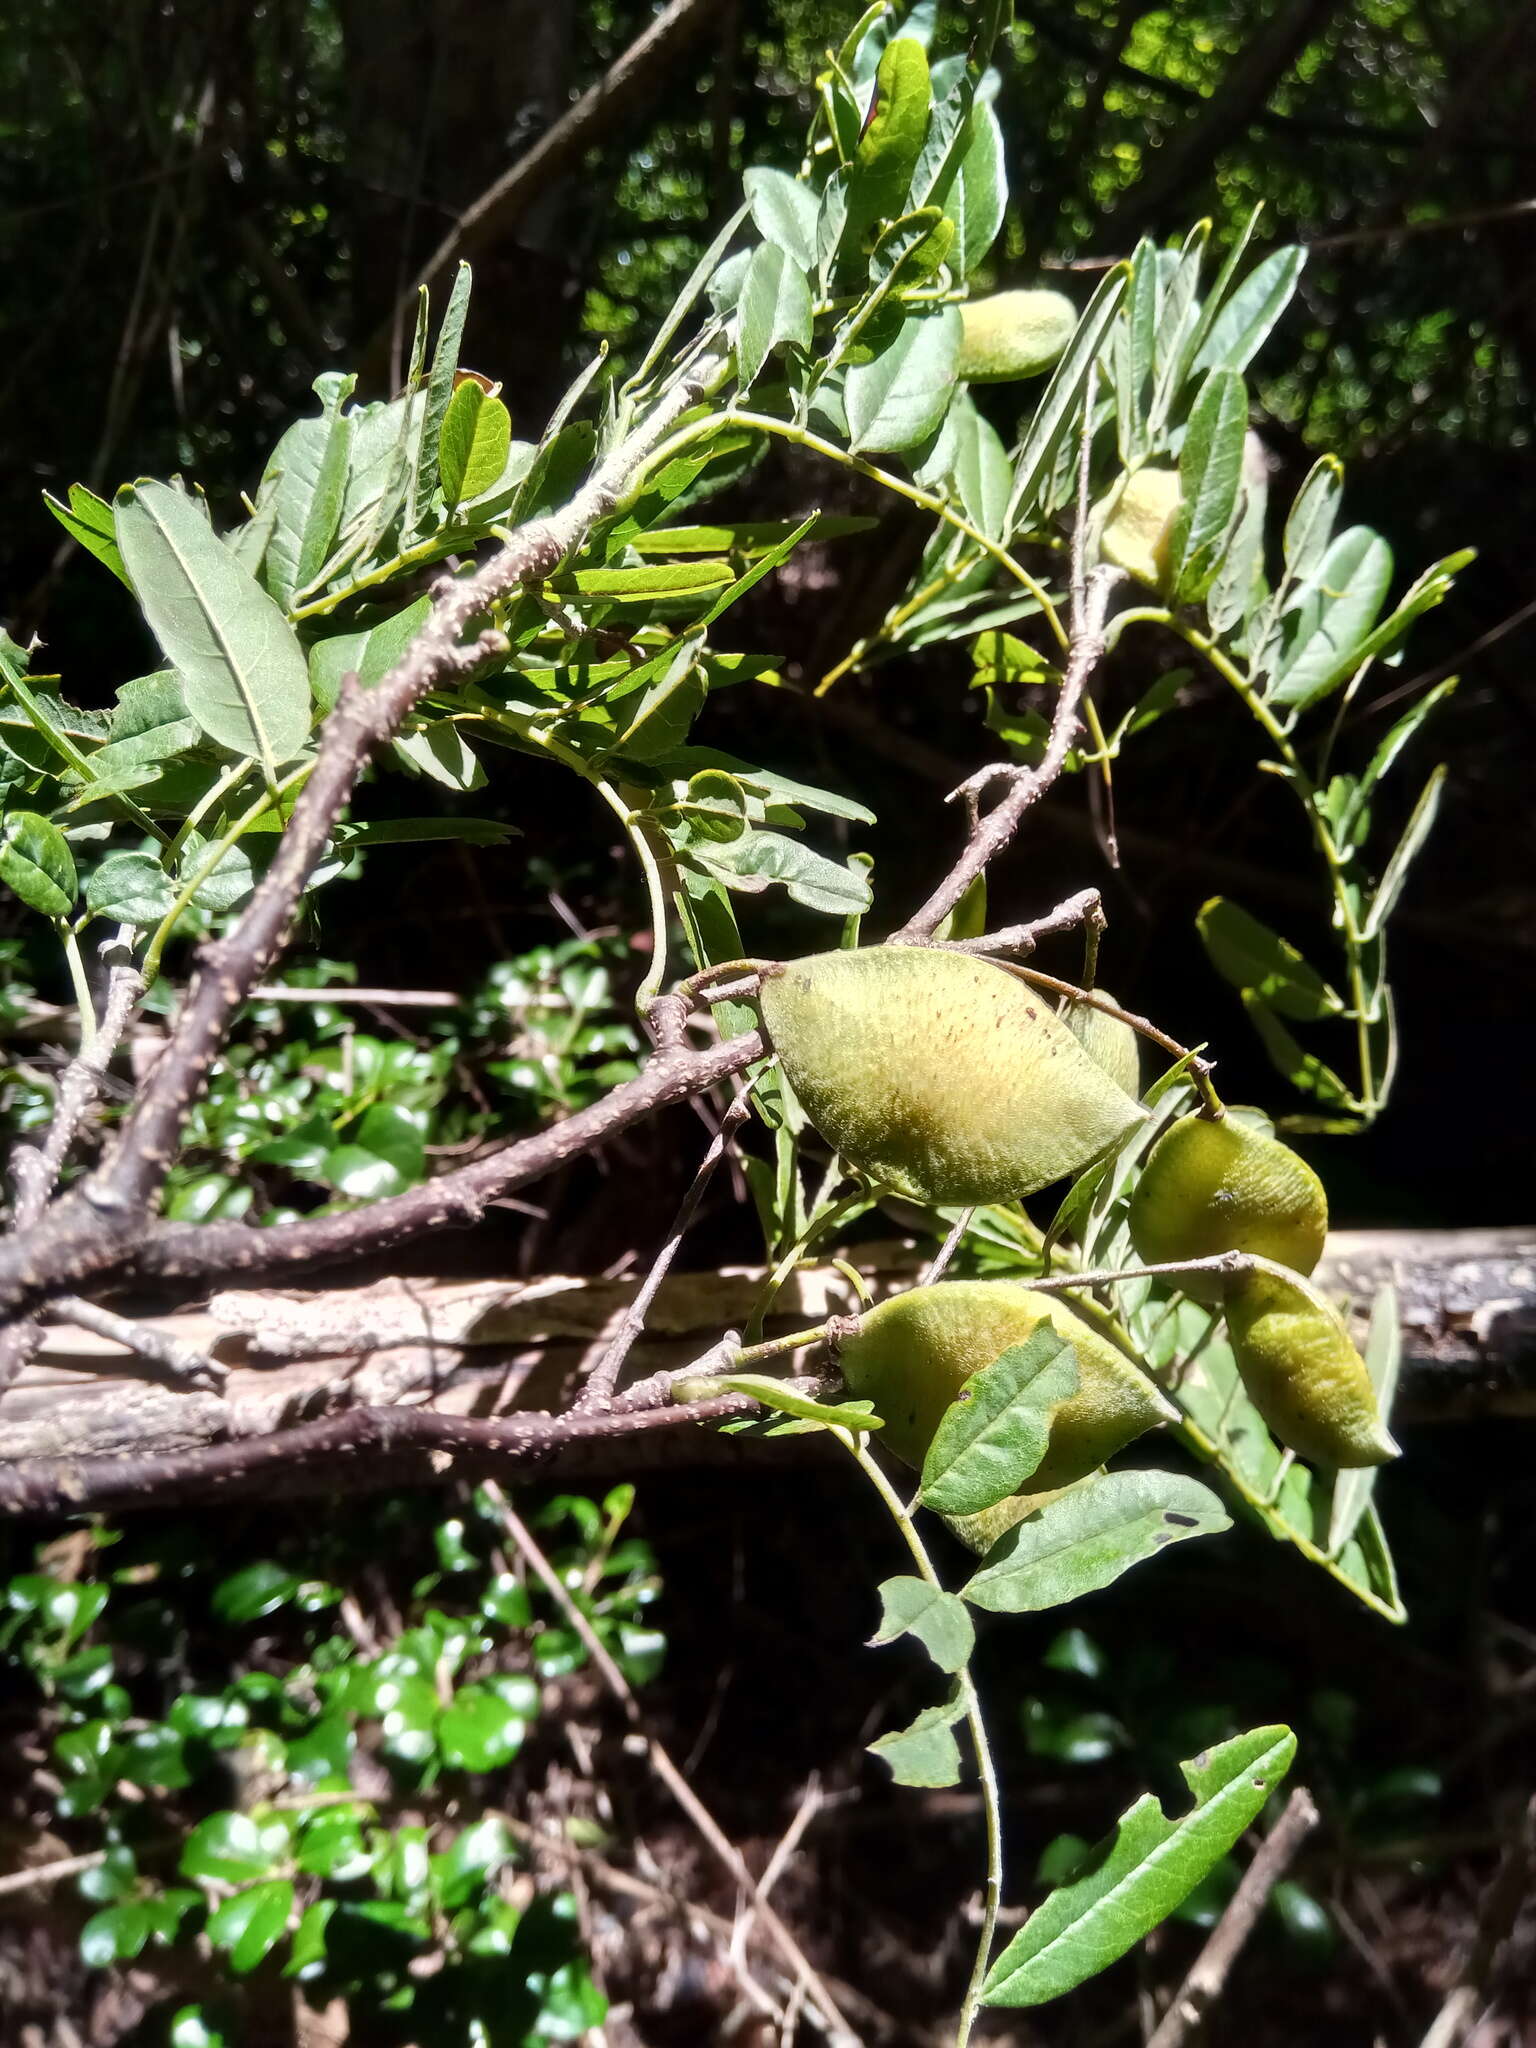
x=1217, y=1185
x=913, y=1354
x=1139, y=522
x=1303, y=1372
x=944, y=1076
x=980, y=1532
x=1013, y=334
x=1109, y=1042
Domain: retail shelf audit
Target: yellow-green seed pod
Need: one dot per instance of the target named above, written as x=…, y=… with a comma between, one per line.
x=913, y=1354
x=980, y=1532
x=1013, y=334
x=1109, y=1042
x=1303, y=1372
x=1215, y=1185
x=940, y=1074
x=1139, y=521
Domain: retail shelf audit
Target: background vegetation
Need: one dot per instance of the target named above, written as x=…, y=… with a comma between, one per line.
x=204, y=207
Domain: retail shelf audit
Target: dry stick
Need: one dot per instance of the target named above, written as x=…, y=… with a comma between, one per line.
x=95, y=1228
x=990, y=834
x=53, y=1486
x=1208, y=1975
x=180, y=1364
x=50, y=1873
x=598, y=1392
x=810, y=1805
x=36, y=1169
x=667, y=1771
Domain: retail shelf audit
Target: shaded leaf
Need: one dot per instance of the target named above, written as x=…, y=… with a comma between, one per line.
x=1249, y=955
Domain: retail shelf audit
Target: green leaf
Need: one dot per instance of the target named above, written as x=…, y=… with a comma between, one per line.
x=115, y=1935
x=480, y=1731
x=36, y=863
x=649, y=581
x=1383, y=1354
x=978, y=195
x=241, y=667
x=132, y=888
x=445, y=358
x=253, y=1591
x=307, y=1950
x=229, y=882
x=1062, y=400
x=87, y=520
x=306, y=480
x=474, y=1856
x=1399, y=736
x=1139, y=1874
x=774, y=310
x=440, y=752
x=473, y=443
x=913, y=1607
x=925, y=1752
x=747, y=536
x=1211, y=474
x=995, y=1432
x=892, y=142
x=1395, y=875
x=1309, y=523
x=1323, y=645
x=192, y=2028
x=232, y=1848
x=1304, y=1070
x=370, y=654
x=1249, y=316
x=784, y=213
x=1426, y=591
x=1089, y=1536
x=850, y=1415
x=250, y=1925
x=759, y=858
x=1249, y=955
x=898, y=398
x=982, y=474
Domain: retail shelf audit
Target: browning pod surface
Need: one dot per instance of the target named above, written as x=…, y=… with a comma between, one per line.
x=942, y=1075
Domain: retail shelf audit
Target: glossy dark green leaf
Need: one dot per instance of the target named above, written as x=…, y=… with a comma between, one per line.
x=476, y=1854
x=995, y=1433
x=241, y=667
x=1303, y=1069
x=479, y=1731
x=333, y=1845
x=1091, y=1534
x=36, y=863
x=938, y=1620
x=254, y=1590
x=233, y=1848
x=1136, y=1877
x=250, y=1925
x=114, y=1935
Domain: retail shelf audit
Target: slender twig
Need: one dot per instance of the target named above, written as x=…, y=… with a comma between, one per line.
x=989, y=834
x=43, y=1874
x=1085, y=907
x=667, y=1771
x=1200, y=1070
x=937, y=1265
x=35, y=1169
x=601, y=1381
x=1500, y=1908
x=179, y=1364
x=1208, y=1974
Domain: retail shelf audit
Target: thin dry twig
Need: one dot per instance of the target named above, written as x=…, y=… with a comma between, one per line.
x=667, y=1771
x=39, y=1875
x=603, y=1378
x=1469, y=1996
x=1208, y=1974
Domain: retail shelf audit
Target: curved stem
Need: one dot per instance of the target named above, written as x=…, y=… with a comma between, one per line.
x=82, y=988
x=991, y=1803
x=206, y=866
x=655, y=890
